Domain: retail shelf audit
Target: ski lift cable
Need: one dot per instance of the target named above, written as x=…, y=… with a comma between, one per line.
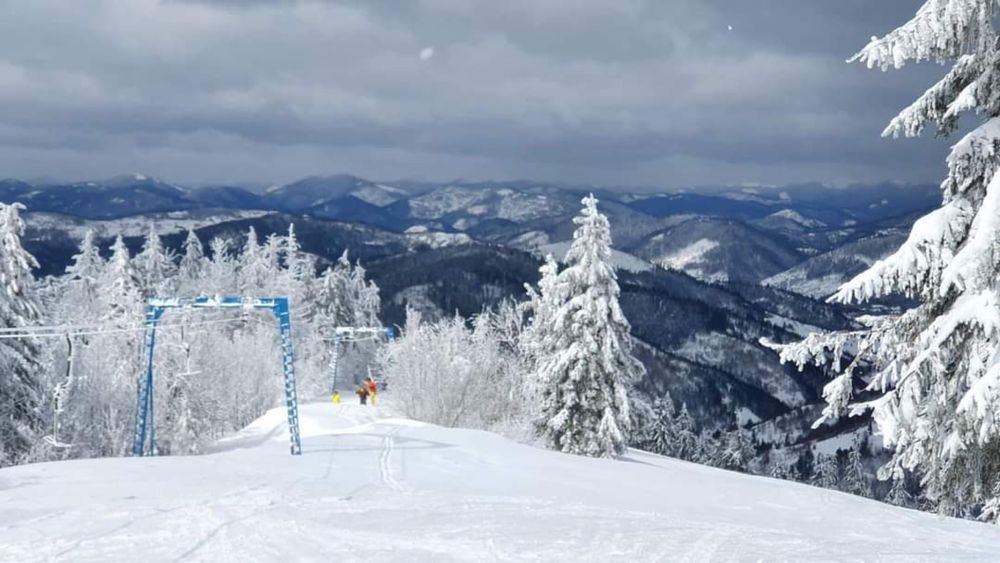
x=85, y=326
x=54, y=332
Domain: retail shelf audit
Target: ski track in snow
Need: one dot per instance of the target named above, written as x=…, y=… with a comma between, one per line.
x=385, y=460
x=375, y=489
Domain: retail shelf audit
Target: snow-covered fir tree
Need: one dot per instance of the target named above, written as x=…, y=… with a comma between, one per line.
x=855, y=477
x=19, y=357
x=899, y=495
x=736, y=452
x=537, y=342
x=220, y=272
x=661, y=434
x=935, y=368
x=584, y=385
x=826, y=472
x=687, y=444
x=81, y=288
x=155, y=266
x=123, y=293
x=87, y=265
x=293, y=259
x=192, y=264
x=253, y=268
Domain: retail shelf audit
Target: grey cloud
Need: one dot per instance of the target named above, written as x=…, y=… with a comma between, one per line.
x=623, y=91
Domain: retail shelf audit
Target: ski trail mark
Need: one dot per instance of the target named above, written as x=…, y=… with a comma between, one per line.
x=385, y=460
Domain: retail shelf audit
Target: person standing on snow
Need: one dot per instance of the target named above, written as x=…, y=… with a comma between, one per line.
x=363, y=394
x=372, y=388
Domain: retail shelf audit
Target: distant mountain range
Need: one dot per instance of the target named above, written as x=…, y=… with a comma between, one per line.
x=704, y=274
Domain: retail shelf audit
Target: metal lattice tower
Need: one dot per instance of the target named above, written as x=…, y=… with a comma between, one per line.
x=154, y=311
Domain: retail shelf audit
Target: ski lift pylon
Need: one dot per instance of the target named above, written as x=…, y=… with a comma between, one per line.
x=154, y=311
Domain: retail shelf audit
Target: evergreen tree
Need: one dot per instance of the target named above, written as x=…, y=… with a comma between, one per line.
x=855, y=478
x=367, y=301
x=192, y=266
x=779, y=471
x=323, y=304
x=253, y=268
x=221, y=271
x=123, y=293
x=825, y=472
x=738, y=452
x=19, y=357
x=898, y=495
x=87, y=265
x=271, y=251
x=687, y=445
x=538, y=341
x=82, y=284
x=293, y=258
x=155, y=266
x=584, y=404
x=662, y=433
x=936, y=366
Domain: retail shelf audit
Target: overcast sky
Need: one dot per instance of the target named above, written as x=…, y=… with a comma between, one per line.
x=658, y=92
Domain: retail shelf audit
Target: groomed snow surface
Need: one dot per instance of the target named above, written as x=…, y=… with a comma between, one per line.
x=378, y=489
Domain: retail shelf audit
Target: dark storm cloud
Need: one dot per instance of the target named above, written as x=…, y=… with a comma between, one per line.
x=625, y=91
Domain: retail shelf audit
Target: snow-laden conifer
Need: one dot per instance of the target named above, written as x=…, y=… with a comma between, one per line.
x=155, y=266
x=588, y=364
x=123, y=295
x=19, y=357
x=935, y=368
x=87, y=265
x=192, y=265
x=253, y=268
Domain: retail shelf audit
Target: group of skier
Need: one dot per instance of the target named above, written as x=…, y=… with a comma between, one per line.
x=365, y=392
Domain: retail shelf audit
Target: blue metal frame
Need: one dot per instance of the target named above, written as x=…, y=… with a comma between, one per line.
x=154, y=312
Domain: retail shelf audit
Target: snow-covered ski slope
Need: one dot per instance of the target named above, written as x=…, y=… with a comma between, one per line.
x=382, y=489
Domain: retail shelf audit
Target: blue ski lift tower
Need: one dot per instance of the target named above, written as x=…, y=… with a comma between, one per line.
x=144, y=438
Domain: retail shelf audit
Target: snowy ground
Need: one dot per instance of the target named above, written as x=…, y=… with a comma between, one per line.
x=373, y=490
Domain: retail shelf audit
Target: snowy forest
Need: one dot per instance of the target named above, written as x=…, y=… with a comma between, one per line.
x=769, y=332
x=554, y=367
x=73, y=343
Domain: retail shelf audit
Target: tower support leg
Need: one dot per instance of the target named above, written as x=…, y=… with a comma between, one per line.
x=144, y=391
x=288, y=365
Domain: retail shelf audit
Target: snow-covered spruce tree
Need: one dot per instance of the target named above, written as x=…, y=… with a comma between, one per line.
x=541, y=307
x=367, y=299
x=826, y=473
x=855, y=478
x=661, y=434
x=220, y=272
x=87, y=265
x=252, y=267
x=78, y=293
x=736, y=452
x=123, y=288
x=584, y=383
x=192, y=265
x=155, y=266
x=19, y=357
x=686, y=445
x=935, y=368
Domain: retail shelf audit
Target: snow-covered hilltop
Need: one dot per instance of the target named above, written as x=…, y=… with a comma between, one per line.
x=387, y=489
